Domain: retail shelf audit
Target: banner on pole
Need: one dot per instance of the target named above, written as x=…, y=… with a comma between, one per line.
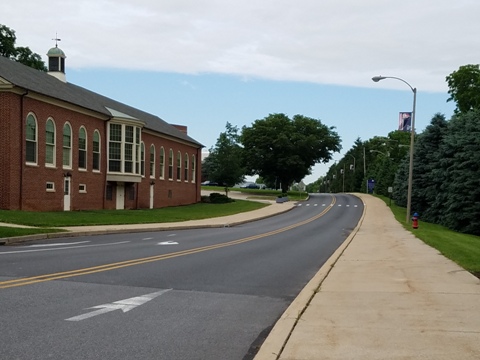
x=405, y=121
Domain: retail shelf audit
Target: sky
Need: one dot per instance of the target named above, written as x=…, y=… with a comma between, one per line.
x=203, y=63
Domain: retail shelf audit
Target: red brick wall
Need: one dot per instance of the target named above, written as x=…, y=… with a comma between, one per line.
x=10, y=150
x=24, y=186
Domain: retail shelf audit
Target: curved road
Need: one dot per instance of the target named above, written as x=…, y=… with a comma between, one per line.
x=190, y=294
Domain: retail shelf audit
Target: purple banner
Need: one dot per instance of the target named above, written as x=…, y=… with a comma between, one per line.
x=405, y=121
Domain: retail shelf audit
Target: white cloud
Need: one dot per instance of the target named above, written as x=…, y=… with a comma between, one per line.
x=328, y=41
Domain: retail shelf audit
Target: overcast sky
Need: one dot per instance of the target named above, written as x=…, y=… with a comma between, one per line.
x=204, y=62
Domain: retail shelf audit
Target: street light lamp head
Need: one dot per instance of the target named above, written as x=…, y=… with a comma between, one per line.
x=378, y=78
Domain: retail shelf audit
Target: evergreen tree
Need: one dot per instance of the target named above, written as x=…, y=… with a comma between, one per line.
x=461, y=163
x=427, y=197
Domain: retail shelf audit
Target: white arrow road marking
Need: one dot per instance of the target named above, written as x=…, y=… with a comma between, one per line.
x=124, y=305
x=168, y=243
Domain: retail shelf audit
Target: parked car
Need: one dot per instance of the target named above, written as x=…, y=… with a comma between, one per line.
x=250, y=186
x=209, y=183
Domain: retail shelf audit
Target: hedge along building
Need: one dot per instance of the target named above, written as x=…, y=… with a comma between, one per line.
x=63, y=147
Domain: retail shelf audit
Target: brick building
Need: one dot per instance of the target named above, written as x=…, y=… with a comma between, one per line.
x=63, y=147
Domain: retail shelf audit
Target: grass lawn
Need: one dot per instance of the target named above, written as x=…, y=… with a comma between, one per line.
x=461, y=248
x=113, y=217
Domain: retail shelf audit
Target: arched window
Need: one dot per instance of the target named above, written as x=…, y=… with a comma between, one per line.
x=96, y=151
x=193, y=169
x=185, y=168
x=50, y=143
x=170, y=165
x=31, y=140
x=179, y=166
x=152, y=161
x=162, y=163
x=67, y=145
x=82, y=148
x=142, y=158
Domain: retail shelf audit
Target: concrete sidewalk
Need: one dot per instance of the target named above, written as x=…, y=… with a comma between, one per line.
x=383, y=295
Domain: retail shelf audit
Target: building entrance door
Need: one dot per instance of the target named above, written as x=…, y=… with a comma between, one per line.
x=66, y=193
x=120, y=196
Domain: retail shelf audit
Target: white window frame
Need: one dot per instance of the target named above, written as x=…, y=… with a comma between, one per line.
x=50, y=145
x=67, y=149
x=33, y=141
x=96, y=153
x=84, y=150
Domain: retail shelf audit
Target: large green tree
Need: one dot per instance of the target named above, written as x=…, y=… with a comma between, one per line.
x=225, y=159
x=460, y=161
x=20, y=54
x=428, y=199
x=283, y=150
x=464, y=88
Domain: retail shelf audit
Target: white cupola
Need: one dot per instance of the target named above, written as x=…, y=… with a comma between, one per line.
x=56, y=62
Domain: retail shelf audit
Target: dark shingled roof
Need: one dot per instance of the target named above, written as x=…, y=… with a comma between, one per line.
x=40, y=82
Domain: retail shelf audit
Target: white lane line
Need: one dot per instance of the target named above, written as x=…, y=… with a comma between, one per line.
x=58, y=244
x=64, y=248
x=146, y=239
x=168, y=243
x=315, y=205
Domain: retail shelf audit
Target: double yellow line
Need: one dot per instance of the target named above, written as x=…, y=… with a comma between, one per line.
x=118, y=265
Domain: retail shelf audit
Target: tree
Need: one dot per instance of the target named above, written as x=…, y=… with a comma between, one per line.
x=460, y=161
x=225, y=159
x=464, y=88
x=428, y=199
x=7, y=42
x=283, y=150
x=27, y=57
x=20, y=54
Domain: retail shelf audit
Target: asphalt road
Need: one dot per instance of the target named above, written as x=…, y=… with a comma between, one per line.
x=189, y=294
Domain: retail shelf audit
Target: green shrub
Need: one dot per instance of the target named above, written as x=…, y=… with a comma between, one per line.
x=217, y=198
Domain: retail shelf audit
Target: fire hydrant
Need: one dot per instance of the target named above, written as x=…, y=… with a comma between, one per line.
x=415, y=220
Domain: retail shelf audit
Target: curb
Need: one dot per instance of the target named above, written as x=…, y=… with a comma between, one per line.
x=276, y=341
x=21, y=239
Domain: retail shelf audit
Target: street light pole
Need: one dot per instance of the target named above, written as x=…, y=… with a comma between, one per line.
x=412, y=139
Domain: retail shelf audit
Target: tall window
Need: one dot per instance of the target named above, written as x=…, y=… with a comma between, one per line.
x=31, y=140
x=162, y=163
x=124, y=148
x=138, y=153
x=185, y=168
x=142, y=159
x=50, y=143
x=152, y=161
x=96, y=151
x=67, y=145
x=115, y=148
x=179, y=166
x=193, y=169
x=82, y=148
x=129, y=146
x=170, y=165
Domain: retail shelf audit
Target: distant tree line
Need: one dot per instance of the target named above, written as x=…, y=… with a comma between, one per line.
x=446, y=168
